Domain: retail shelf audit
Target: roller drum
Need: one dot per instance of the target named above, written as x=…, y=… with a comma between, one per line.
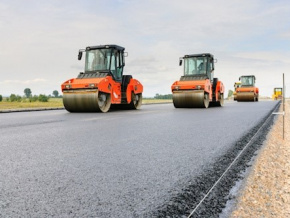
x=86, y=101
x=246, y=96
x=190, y=99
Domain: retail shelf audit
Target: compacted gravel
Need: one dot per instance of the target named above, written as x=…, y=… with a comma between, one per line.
x=266, y=192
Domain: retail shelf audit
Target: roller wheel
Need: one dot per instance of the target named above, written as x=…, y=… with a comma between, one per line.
x=206, y=100
x=221, y=100
x=136, y=101
x=104, y=102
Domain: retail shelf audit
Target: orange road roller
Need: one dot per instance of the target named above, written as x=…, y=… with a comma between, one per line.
x=198, y=88
x=102, y=84
x=247, y=91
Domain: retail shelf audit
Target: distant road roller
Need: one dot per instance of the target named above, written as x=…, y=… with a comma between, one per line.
x=236, y=85
x=278, y=93
x=198, y=88
x=102, y=84
x=247, y=91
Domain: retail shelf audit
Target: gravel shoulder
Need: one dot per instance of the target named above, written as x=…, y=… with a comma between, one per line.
x=266, y=191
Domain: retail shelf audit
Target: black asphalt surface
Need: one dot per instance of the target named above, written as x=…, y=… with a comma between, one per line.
x=115, y=164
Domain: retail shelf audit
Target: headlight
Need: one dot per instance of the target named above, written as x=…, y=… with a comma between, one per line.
x=92, y=85
x=176, y=87
x=67, y=86
x=198, y=87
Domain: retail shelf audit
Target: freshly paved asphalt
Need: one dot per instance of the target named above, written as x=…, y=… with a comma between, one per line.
x=115, y=164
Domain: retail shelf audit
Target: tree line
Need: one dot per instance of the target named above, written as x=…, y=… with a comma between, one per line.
x=169, y=96
x=159, y=96
x=29, y=97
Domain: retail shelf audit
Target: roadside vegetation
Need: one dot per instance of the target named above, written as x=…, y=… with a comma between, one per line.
x=35, y=102
x=155, y=101
x=158, y=98
x=30, y=101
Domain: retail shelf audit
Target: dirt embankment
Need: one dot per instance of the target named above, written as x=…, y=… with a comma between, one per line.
x=267, y=189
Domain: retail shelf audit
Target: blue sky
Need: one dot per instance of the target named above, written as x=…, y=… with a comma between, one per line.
x=39, y=40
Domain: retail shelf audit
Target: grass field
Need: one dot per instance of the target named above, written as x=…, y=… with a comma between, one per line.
x=155, y=101
x=57, y=102
x=52, y=102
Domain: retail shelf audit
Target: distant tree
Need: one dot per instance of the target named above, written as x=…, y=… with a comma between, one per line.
x=43, y=98
x=27, y=92
x=230, y=93
x=14, y=97
x=158, y=96
x=33, y=99
x=18, y=98
x=1, y=98
x=55, y=93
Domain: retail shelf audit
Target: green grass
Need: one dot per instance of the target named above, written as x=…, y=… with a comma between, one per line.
x=155, y=101
x=52, y=102
x=57, y=102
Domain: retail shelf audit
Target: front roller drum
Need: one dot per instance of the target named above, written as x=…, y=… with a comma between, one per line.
x=190, y=99
x=90, y=100
x=246, y=96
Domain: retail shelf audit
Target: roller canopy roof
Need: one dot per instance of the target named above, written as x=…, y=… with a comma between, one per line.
x=248, y=76
x=199, y=55
x=105, y=46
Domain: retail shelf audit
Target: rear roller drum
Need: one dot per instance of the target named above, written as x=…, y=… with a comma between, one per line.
x=104, y=102
x=220, y=103
x=136, y=101
x=206, y=100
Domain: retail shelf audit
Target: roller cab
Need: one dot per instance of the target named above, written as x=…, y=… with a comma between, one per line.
x=197, y=88
x=102, y=84
x=247, y=91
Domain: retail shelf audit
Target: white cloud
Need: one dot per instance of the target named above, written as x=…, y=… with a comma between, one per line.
x=26, y=82
x=285, y=35
x=266, y=56
x=42, y=38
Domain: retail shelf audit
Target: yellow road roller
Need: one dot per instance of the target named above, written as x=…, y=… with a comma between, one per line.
x=236, y=85
x=278, y=93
